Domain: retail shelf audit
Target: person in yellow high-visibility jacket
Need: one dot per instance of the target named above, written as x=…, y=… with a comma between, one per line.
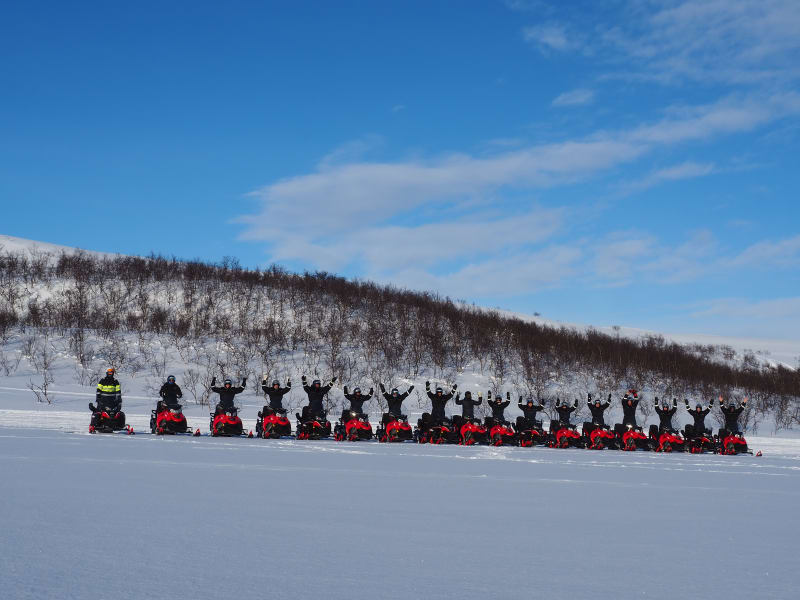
x=109, y=393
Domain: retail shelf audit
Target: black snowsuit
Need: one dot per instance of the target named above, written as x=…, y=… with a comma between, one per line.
x=395, y=402
x=170, y=394
x=732, y=418
x=357, y=400
x=598, y=412
x=467, y=405
x=227, y=394
x=498, y=408
x=438, y=404
x=275, y=395
x=109, y=394
x=629, y=412
x=528, y=418
x=699, y=426
x=564, y=411
x=665, y=415
x=316, y=396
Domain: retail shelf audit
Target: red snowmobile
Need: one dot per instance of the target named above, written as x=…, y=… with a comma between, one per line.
x=632, y=438
x=529, y=433
x=699, y=442
x=394, y=429
x=107, y=420
x=312, y=426
x=272, y=424
x=435, y=432
x=226, y=423
x=732, y=443
x=564, y=436
x=165, y=420
x=598, y=437
x=666, y=440
x=352, y=426
x=501, y=433
x=470, y=431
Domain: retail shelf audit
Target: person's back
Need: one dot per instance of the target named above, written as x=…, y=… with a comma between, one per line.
x=731, y=414
x=109, y=392
x=170, y=393
x=598, y=409
x=275, y=393
x=468, y=404
x=665, y=413
x=227, y=393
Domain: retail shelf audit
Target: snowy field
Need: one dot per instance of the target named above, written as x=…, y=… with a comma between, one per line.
x=117, y=516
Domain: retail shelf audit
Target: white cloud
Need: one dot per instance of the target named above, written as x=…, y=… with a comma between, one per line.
x=550, y=36
x=579, y=97
x=770, y=254
x=686, y=170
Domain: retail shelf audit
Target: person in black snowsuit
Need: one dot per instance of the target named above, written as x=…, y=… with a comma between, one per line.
x=438, y=402
x=316, y=396
x=699, y=416
x=665, y=414
x=275, y=393
x=598, y=408
x=629, y=403
x=394, y=399
x=226, y=394
x=357, y=400
x=498, y=407
x=108, y=396
x=467, y=404
x=170, y=393
x=564, y=410
x=528, y=419
x=731, y=414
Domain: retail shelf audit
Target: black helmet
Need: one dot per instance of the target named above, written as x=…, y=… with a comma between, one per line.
x=171, y=378
x=439, y=390
x=275, y=382
x=467, y=394
x=316, y=382
x=698, y=407
x=227, y=382
x=665, y=403
x=530, y=400
x=395, y=392
x=357, y=390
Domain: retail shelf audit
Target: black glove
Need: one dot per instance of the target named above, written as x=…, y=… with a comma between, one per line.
x=508, y=395
x=334, y=380
x=383, y=389
x=455, y=387
x=345, y=389
x=303, y=378
x=288, y=383
x=609, y=398
x=589, y=396
x=427, y=385
x=371, y=391
x=411, y=388
x=244, y=381
x=214, y=380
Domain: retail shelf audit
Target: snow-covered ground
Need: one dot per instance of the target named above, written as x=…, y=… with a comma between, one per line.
x=116, y=516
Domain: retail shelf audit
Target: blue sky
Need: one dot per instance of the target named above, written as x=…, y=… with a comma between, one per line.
x=633, y=163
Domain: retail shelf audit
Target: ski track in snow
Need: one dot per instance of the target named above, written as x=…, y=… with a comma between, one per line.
x=211, y=517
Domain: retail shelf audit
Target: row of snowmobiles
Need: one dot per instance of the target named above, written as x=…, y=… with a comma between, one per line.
x=273, y=424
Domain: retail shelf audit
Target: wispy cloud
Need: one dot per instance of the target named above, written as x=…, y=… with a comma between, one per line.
x=550, y=36
x=686, y=170
x=577, y=97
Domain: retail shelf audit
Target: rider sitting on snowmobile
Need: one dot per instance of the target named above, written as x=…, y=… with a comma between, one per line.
x=597, y=407
x=629, y=403
x=357, y=400
x=528, y=418
x=699, y=416
x=665, y=414
x=395, y=403
x=564, y=410
x=226, y=394
x=731, y=414
x=275, y=393
x=468, y=404
x=109, y=394
x=316, y=394
x=170, y=394
x=498, y=407
x=438, y=402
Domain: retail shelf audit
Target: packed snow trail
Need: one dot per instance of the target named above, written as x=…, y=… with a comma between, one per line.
x=116, y=516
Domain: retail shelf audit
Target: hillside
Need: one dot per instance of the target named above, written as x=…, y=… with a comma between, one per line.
x=66, y=314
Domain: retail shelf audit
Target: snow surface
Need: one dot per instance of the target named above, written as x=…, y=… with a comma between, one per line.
x=116, y=516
